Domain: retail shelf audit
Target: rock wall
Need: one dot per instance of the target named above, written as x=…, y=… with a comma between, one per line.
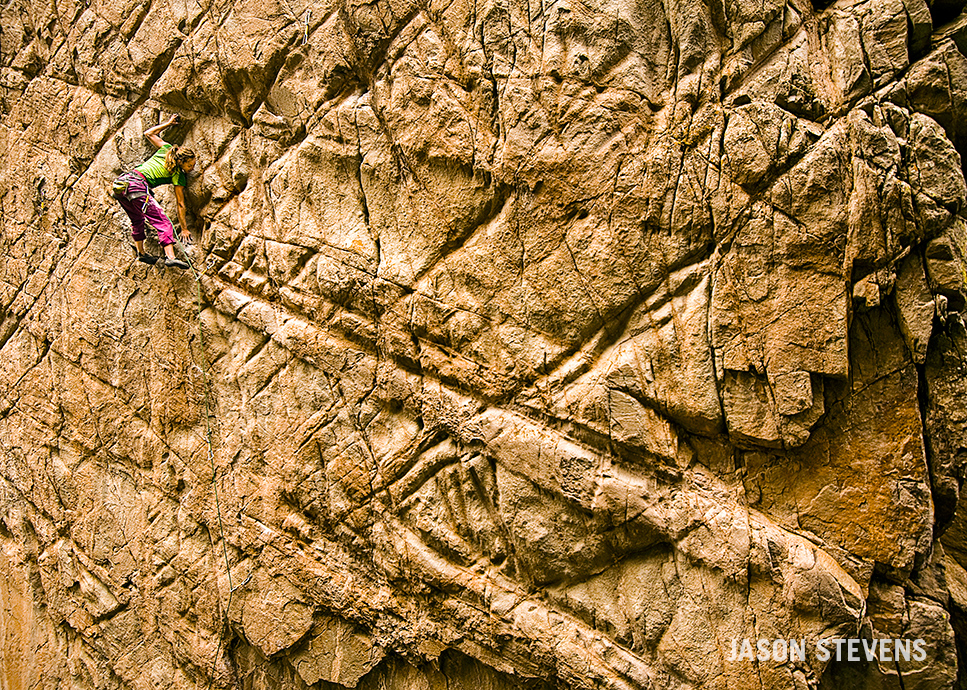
x=533, y=345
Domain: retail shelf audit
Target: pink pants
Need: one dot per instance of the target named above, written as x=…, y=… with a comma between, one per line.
x=141, y=207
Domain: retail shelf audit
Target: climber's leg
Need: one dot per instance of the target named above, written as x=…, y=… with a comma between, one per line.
x=133, y=208
x=156, y=218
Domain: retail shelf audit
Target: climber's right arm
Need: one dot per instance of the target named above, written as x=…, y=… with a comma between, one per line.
x=152, y=134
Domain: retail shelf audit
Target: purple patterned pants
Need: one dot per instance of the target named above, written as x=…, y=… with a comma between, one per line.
x=141, y=207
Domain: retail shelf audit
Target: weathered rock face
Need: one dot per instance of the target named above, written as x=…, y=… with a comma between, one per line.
x=546, y=346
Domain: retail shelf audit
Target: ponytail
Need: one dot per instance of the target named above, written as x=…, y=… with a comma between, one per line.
x=176, y=156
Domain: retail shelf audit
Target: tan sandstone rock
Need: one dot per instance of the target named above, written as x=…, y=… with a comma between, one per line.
x=546, y=346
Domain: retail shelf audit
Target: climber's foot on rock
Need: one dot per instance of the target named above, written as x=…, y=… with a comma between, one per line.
x=149, y=258
x=176, y=263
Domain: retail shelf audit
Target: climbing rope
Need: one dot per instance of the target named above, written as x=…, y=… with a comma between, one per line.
x=204, y=370
x=208, y=411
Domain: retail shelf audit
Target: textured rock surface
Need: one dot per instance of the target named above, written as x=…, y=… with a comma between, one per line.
x=535, y=345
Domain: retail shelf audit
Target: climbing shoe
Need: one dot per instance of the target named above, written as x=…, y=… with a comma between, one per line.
x=175, y=263
x=149, y=258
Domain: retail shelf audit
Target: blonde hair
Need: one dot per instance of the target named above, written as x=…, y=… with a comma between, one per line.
x=176, y=156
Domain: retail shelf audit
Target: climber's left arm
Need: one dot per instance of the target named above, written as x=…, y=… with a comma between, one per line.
x=182, y=217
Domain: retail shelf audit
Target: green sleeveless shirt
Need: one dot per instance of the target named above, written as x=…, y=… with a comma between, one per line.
x=156, y=173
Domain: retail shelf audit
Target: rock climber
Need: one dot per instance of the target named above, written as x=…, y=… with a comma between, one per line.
x=132, y=190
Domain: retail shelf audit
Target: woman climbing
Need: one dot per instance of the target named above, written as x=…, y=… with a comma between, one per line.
x=168, y=165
